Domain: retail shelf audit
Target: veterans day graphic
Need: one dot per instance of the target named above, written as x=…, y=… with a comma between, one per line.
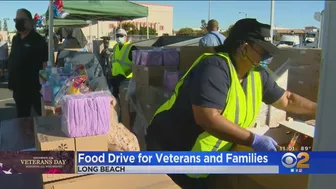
x=36, y=162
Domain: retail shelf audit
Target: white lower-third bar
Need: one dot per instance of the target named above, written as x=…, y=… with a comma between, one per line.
x=88, y=169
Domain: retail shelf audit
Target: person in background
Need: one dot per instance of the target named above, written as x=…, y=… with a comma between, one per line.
x=29, y=54
x=218, y=98
x=3, y=58
x=121, y=62
x=213, y=38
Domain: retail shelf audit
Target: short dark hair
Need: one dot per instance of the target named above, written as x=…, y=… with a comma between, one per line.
x=26, y=12
x=212, y=24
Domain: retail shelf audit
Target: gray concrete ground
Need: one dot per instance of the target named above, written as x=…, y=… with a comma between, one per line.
x=7, y=104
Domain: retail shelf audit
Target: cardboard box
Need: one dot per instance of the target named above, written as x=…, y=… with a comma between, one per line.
x=272, y=182
x=189, y=54
x=150, y=75
x=305, y=71
x=269, y=115
x=122, y=181
x=283, y=135
x=49, y=137
x=143, y=94
x=152, y=98
x=125, y=109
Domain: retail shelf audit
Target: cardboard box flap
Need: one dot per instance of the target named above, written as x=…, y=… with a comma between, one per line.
x=259, y=131
x=299, y=127
x=48, y=129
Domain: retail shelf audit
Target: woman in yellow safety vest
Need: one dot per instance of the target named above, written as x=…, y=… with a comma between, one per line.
x=121, y=62
x=218, y=97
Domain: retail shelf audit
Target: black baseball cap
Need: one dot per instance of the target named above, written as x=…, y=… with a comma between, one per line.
x=250, y=29
x=27, y=13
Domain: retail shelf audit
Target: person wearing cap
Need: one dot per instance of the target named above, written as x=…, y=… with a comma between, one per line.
x=213, y=38
x=121, y=62
x=29, y=54
x=219, y=97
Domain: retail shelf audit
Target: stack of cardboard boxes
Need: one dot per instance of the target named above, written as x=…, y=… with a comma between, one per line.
x=304, y=76
x=151, y=86
x=49, y=137
x=151, y=92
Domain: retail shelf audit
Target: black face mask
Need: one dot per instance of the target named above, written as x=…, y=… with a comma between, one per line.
x=19, y=25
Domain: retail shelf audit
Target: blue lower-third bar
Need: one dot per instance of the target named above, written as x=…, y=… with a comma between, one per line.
x=128, y=169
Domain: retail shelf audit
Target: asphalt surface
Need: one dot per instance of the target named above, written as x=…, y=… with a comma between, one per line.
x=7, y=104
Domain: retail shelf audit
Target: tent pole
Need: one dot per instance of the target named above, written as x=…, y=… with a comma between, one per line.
x=91, y=45
x=324, y=139
x=98, y=34
x=147, y=27
x=102, y=28
x=51, y=35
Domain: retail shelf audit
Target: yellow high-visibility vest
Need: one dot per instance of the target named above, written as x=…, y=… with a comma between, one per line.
x=121, y=64
x=241, y=108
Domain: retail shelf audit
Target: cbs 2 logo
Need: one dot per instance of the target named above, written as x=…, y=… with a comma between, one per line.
x=290, y=160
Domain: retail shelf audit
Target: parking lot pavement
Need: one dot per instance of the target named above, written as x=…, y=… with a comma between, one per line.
x=7, y=104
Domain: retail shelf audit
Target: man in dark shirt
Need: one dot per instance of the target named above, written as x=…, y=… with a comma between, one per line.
x=28, y=55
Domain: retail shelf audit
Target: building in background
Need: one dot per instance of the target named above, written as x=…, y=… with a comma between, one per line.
x=278, y=32
x=5, y=35
x=160, y=17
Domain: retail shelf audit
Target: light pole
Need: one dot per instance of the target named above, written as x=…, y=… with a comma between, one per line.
x=272, y=20
x=244, y=14
x=209, y=11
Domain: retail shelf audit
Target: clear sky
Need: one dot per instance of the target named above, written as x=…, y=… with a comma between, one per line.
x=288, y=14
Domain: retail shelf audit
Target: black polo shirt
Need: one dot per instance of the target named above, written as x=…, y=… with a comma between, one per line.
x=206, y=85
x=25, y=60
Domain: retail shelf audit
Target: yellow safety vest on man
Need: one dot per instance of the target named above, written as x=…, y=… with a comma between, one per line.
x=241, y=108
x=121, y=64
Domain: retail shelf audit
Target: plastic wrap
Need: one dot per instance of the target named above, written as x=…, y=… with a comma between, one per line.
x=64, y=90
x=46, y=92
x=99, y=84
x=86, y=114
x=170, y=79
x=72, y=85
x=149, y=57
x=77, y=84
x=79, y=70
x=171, y=57
x=43, y=77
x=131, y=89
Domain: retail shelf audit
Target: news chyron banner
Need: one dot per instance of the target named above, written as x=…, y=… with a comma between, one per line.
x=206, y=163
x=37, y=162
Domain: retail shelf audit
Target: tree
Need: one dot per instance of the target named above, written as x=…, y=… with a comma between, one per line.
x=204, y=25
x=186, y=32
x=131, y=29
x=5, y=27
x=0, y=26
x=200, y=32
x=128, y=27
x=143, y=31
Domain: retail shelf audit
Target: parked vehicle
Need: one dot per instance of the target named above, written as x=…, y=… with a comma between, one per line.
x=311, y=39
x=289, y=41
